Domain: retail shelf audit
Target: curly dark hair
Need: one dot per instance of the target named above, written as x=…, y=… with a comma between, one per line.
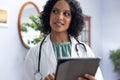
x=77, y=21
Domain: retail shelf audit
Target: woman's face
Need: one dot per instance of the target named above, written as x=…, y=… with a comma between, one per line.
x=60, y=17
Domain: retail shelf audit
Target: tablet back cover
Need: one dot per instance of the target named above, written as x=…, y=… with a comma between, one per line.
x=71, y=68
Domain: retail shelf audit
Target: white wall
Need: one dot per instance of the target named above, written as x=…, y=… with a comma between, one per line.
x=92, y=9
x=105, y=15
x=111, y=30
x=12, y=51
x=104, y=35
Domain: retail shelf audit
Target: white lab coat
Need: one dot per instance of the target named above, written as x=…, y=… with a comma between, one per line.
x=48, y=61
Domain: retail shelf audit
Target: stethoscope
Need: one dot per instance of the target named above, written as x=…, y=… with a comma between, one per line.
x=76, y=48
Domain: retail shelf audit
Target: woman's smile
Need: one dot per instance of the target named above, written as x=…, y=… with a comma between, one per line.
x=59, y=24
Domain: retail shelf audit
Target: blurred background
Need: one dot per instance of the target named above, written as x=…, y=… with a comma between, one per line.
x=104, y=35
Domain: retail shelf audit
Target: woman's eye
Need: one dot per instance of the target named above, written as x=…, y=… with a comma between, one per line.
x=67, y=13
x=55, y=11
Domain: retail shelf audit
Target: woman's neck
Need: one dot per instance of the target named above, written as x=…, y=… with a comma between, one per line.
x=59, y=37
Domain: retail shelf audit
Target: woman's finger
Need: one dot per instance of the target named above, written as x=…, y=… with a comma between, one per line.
x=80, y=78
x=51, y=76
x=90, y=77
x=47, y=78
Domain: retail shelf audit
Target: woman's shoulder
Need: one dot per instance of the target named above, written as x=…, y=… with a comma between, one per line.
x=33, y=51
x=89, y=51
x=35, y=47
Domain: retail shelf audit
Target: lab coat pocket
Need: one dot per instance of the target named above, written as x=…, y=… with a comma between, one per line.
x=38, y=76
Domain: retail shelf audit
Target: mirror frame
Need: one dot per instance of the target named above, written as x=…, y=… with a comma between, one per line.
x=19, y=19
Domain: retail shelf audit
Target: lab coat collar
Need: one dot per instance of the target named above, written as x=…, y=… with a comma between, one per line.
x=73, y=42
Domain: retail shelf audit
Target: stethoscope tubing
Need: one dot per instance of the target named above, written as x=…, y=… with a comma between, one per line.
x=78, y=43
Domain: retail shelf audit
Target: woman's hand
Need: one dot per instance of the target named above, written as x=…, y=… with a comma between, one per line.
x=89, y=77
x=50, y=77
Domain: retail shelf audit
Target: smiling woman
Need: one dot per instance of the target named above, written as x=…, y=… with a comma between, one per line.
x=29, y=24
x=62, y=21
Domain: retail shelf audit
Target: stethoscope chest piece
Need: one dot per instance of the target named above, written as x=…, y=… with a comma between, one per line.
x=37, y=76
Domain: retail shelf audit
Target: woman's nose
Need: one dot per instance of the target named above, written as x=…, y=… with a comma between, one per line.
x=60, y=16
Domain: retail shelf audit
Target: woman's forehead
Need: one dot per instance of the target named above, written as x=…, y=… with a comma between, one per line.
x=62, y=4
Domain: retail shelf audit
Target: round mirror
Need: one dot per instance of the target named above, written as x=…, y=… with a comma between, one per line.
x=29, y=24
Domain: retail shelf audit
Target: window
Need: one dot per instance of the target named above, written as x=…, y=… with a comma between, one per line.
x=85, y=34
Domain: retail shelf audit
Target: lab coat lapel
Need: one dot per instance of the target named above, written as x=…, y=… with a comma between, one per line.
x=50, y=54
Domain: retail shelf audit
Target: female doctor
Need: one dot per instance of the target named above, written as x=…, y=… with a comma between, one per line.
x=63, y=21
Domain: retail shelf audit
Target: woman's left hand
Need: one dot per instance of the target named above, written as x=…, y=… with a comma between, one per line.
x=50, y=76
x=88, y=76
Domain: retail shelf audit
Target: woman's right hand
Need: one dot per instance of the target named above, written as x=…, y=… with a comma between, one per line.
x=50, y=77
x=88, y=76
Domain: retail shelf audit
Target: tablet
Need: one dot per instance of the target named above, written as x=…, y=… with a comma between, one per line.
x=72, y=68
